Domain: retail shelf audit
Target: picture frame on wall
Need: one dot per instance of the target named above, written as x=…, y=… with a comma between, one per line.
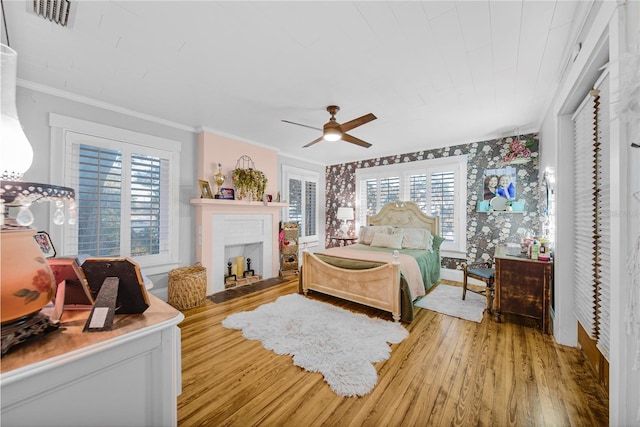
x=44, y=242
x=227, y=194
x=205, y=189
x=499, y=182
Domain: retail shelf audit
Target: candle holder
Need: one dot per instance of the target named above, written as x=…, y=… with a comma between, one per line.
x=235, y=278
x=248, y=271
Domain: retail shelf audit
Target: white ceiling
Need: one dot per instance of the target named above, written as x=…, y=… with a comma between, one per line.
x=435, y=73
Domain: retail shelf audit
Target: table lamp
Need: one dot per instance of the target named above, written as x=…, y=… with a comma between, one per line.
x=27, y=282
x=345, y=214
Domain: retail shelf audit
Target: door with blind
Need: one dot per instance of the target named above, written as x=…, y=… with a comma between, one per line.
x=592, y=224
x=301, y=190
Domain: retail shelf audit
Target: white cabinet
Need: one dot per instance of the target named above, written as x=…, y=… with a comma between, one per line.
x=130, y=376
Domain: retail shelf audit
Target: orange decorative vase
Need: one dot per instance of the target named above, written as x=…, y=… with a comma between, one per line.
x=27, y=281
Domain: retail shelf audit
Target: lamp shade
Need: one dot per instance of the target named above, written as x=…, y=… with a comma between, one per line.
x=345, y=213
x=13, y=139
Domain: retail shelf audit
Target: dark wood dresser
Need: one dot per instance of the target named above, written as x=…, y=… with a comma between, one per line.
x=523, y=288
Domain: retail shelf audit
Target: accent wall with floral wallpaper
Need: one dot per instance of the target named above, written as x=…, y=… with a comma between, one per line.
x=485, y=230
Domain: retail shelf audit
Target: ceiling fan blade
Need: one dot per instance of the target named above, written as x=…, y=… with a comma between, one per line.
x=352, y=139
x=313, y=142
x=346, y=127
x=300, y=124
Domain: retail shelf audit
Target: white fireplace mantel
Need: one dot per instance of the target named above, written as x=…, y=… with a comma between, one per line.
x=206, y=209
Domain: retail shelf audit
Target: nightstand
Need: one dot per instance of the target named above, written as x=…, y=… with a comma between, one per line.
x=523, y=288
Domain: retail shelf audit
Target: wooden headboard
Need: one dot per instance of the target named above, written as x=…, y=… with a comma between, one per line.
x=405, y=214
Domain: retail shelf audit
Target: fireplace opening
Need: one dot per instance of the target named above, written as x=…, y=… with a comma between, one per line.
x=243, y=264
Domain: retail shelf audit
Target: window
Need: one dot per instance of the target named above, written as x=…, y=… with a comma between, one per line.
x=126, y=192
x=437, y=186
x=301, y=189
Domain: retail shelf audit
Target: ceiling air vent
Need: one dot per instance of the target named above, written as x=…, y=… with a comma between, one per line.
x=58, y=11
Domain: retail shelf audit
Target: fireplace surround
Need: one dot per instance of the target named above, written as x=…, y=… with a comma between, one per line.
x=224, y=225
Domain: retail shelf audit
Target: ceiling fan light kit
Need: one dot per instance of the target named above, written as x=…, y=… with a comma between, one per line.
x=334, y=131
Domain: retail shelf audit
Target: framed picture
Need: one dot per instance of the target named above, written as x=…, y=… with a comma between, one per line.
x=205, y=189
x=44, y=241
x=499, y=182
x=227, y=193
x=77, y=292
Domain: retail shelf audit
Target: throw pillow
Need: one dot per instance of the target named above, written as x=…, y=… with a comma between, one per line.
x=383, y=240
x=437, y=241
x=417, y=238
x=366, y=233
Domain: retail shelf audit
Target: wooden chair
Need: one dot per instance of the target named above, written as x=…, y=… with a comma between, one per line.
x=484, y=272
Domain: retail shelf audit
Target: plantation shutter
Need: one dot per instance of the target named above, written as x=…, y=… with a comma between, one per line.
x=443, y=202
x=389, y=191
x=310, y=208
x=295, y=200
x=149, y=184
x=99, y=200
x=418, y=190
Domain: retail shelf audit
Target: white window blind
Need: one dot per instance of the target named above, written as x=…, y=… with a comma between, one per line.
x=603, y=217
x=591, y=215
x=584, y=213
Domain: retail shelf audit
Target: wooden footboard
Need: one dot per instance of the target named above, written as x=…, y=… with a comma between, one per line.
x=377, y=287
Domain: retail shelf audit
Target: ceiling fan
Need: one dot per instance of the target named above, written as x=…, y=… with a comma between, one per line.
x=334, y=131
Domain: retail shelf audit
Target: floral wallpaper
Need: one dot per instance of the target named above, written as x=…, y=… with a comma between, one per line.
x=485, y=230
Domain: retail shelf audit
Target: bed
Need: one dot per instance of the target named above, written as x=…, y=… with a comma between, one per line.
x=378, y=271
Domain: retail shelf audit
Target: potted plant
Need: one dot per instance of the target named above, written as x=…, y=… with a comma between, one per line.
x=249, y=183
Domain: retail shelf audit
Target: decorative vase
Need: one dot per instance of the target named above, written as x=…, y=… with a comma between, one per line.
x=27, y=281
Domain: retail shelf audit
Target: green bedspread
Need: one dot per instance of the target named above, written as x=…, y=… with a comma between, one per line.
x=428, y=262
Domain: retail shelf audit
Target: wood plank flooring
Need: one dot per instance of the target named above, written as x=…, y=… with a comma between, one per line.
x=448, y=372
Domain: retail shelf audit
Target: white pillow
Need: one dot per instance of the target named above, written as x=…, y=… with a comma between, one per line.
x=383, y=240
x=366, y=233
x=417, y=238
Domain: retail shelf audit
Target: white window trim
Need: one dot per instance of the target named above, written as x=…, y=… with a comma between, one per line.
x=305, y=175
x=61, y=126
x=458, y=248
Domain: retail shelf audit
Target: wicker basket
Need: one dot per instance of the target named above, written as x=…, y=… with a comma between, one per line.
x=187, y=287
x=290, y=249
x=291, y=233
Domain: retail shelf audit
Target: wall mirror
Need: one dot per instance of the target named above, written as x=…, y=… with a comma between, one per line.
x=499, y=203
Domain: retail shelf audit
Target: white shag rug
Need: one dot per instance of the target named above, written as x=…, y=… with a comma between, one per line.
x=341, y=345
x=447, y=300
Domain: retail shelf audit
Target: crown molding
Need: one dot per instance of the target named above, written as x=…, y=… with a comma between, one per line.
x=104, y=105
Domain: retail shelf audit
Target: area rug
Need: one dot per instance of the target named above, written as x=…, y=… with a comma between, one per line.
x=447, y=300
x=232, y=293
x=341, y=345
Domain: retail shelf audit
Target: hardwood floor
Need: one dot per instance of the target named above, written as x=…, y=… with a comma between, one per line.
x=448, y=372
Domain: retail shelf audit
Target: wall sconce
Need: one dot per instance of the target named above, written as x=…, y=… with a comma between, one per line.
x=345, y=214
